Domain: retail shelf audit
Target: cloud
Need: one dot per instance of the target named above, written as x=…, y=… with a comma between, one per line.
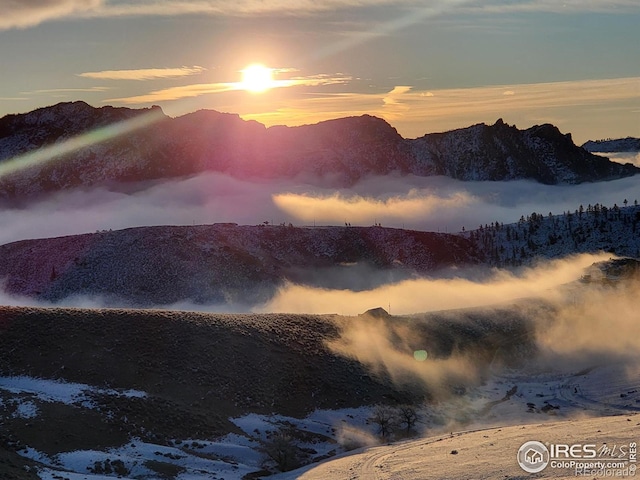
x=144, y=73
x=552, y=6
x=623, y=157
x=175, y=93
x=594, y=326
x=385, y=348
x=251, y=7
x=434, y=294
x=197, y=90
x=420, y=203
x=26, y=13
x=444, y=204
x=367, y=210
x=67, y=90
x=416, y=112
x=568, y=328
x=204, y=199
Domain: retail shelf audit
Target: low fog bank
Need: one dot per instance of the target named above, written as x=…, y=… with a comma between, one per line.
x=623, y=157
x=420, y=203
x=352, y=289
x=446, y=205
x=470, y=330
x=566, y=330
x=456, y=288
x=102, y=302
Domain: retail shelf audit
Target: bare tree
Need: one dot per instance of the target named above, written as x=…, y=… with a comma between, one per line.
x=385, y=418
x=408, y=417
x=281, y=448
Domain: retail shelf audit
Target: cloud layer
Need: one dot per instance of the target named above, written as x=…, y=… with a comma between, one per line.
x=464, y=289
x=144, y=73
x=420, y=203
x=416, y=112
x=27, y=13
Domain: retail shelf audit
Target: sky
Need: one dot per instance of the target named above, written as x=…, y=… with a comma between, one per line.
x=424, y=66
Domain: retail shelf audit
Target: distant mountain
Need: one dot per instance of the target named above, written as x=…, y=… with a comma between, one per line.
x=628, y=144
x=222, y=263
x=502, y=152
x=106, y=146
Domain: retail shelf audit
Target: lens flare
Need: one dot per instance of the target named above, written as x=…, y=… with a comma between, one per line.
x=420, y=355
x=56, y=151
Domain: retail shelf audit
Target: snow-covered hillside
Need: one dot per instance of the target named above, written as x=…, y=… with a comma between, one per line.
x=590, y=228
x=503, y=152
x=629, y=144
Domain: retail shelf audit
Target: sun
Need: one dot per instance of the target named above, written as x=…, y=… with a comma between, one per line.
x=257, y=78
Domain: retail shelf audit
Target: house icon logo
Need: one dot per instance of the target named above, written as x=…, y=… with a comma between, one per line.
x=533, y=457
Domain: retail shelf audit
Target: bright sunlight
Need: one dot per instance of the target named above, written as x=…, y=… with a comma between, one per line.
x=257, y=78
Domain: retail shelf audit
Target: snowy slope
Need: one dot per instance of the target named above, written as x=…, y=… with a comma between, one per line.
x=593, y=228
x=629, y=144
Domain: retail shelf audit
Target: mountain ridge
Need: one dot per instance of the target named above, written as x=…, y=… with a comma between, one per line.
x=340, y=151
x=222, y=264
x=628, y=144
x=241, y=266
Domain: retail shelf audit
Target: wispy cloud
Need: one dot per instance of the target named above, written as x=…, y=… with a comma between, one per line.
x=415, y=112
x=67, y=90
x=144, y=73
x=27, y=13
x=305, y=7
x=553, y=6
x=196, y=90
x=252, y=7
x=175, y=93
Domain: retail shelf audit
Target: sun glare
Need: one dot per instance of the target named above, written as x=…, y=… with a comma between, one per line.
x=257, y=78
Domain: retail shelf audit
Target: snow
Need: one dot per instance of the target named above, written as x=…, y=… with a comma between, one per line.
x=26, y=409
x=485, y=453
x=486, y=441
x=137, y=458
x=492, y=418
x=51, y=474
x=589, y=229
x=48, y=390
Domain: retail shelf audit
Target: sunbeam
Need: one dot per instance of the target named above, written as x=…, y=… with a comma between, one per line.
x=58, y=150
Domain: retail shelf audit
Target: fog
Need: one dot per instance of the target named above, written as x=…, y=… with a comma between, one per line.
x=444, y=204
x=624, y=157
x=458, y=289
x=594, y=326
x=421, y=203
x=600, y=325
x=573, y=328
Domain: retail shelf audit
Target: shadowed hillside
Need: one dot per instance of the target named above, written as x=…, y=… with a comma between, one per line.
x=220, y=264
x=160, y=376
